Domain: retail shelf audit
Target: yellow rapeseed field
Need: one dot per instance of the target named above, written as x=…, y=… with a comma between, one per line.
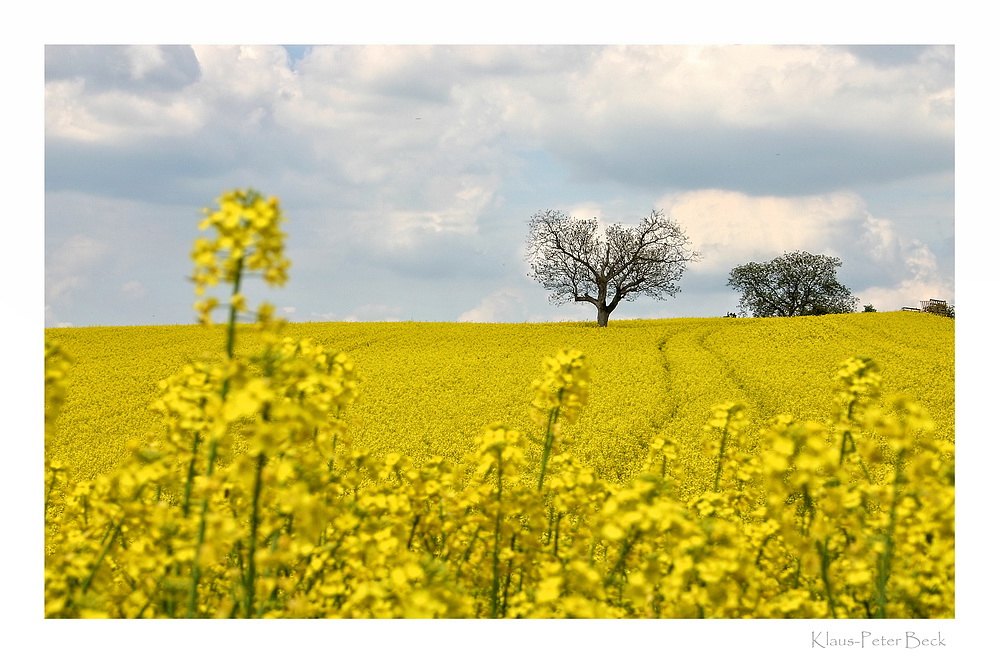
x=668, y=468
x=429, y=388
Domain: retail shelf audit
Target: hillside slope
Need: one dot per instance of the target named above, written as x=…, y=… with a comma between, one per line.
x=429, y=388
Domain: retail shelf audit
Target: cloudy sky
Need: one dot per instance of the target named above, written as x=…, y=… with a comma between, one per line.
x=754, y=149
x=408, y=173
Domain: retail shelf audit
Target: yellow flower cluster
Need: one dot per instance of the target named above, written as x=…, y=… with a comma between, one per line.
x=57, y=365
x=866, y=504
x=248, y=239
x=256, y=495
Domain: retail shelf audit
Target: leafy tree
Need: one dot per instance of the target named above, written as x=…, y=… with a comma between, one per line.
x=869, y=308
x=569, y=257
x=796, y=283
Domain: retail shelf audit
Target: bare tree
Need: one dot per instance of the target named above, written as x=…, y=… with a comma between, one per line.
x=570, y=258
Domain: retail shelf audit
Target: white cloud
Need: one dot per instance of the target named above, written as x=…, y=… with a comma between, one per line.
x=133, y=290
x=65, y=116
x=503, y=305
x=529, y=303
x=760, y=85
x=66, y=265
x=914, y=267
x=785, y=119
x=730, y=227
x=388, y=313
x=236, y=86
x=368, y=313
x=919, y=278
x=880, y=239
x=59, y=289
x=53, y=320
x=908, y=293
x=920, y=261
x=115, y=115
x=241, y=85
x=589, y=210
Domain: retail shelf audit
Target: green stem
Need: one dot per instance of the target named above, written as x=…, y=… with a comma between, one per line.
x=213, y=449
x=844, y=449
x=269, y=601
x=115, y=533
x=619, y=566
x=251, y=576
x=549, y=439
x=885, y=560
x=231, y=327
x=495, y=590
x=506, y=583
x=464, y=558
x=196, y=565
x=848, y=444
x=189, y=481
x=100, y=557
x=413, y=530
x=722, y=452
x=48, y=493
x=824, y=570
x=152, y=594
x=555, y=547
x=808, y=510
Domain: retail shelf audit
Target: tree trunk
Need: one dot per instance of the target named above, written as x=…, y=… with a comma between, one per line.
x=602, y=316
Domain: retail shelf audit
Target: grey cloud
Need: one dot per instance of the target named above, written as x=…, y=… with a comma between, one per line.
x=178, y=169
x=787, y=161
x=129, y=68
x=415, y=85
x=155, y=171
x=440, y=257
x=429, y=75
x=419, y=74
x=519, y=61
x=886, y=55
